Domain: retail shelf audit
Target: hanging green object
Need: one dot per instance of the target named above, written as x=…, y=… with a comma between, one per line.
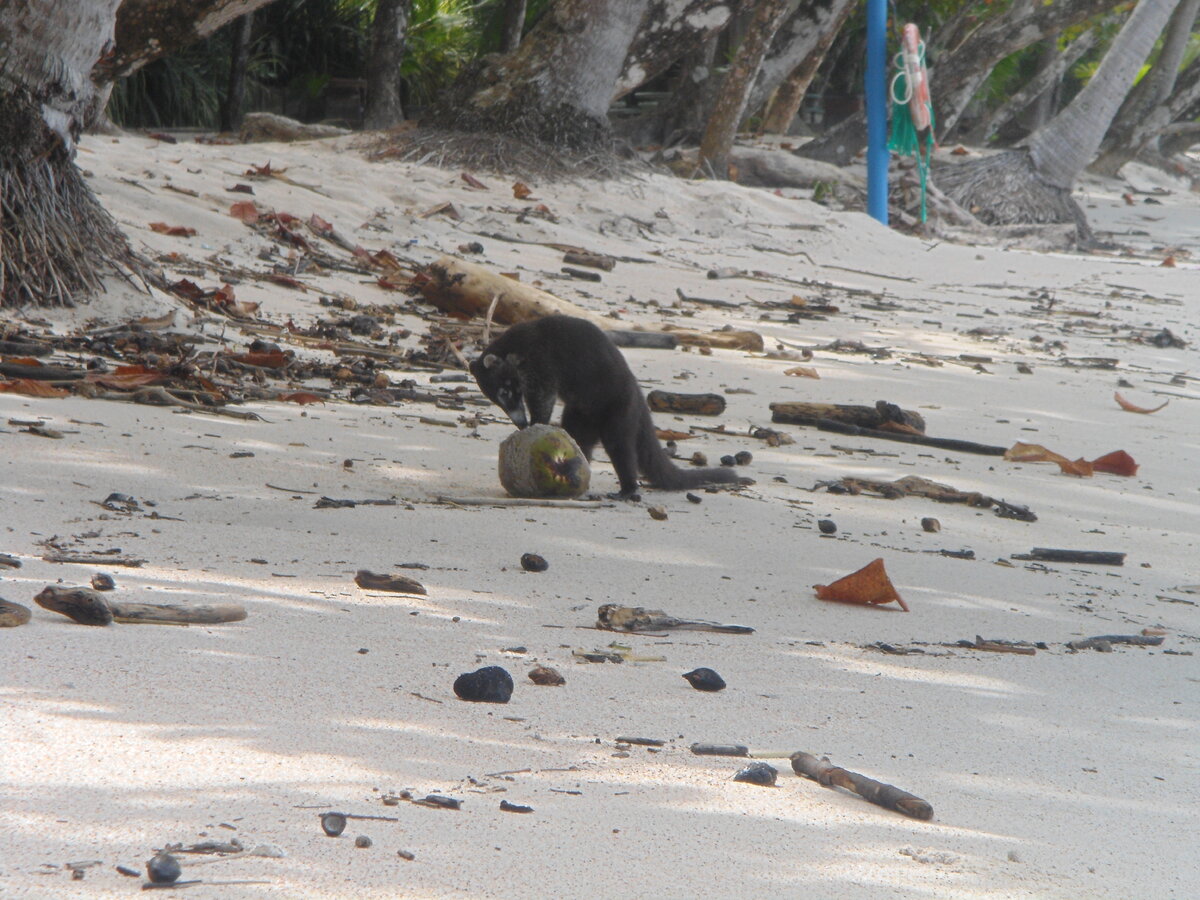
x=912, y=108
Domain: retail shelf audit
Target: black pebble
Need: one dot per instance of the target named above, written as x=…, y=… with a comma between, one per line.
x=692, y=498
x=531, y=562
x=515, y=807
x=163, y=868
x=827, y=526
x=491, y=684
x=743, y=458
x=727, y=460
x=759, y=773
x=705, y=680
x=333, y=823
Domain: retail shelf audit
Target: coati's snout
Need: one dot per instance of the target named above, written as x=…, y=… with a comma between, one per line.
x=499, y=380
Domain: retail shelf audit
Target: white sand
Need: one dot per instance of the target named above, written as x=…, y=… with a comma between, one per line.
x=1057, y=775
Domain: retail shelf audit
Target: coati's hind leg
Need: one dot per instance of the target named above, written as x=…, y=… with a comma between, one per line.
x=581, y=429
x=622, y=450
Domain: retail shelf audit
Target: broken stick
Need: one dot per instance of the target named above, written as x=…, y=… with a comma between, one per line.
x=886, y=795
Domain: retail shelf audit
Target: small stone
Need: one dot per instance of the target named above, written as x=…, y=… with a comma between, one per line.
x=406, y=854
x=546, y=676
x=163, y=868
x=827, y=526
x=743, y=457
x=693, y=498
x=333, y=823
x=362, y=841
x=727, y=460
x=102, y=581
x=515, y=807
x=13, y=614
x=531, y=562
x=128, y=871
x=760, y=773
x=658, y=513
x=931, y=525
x=698, y=459
x=704, y=679
x=491, y=684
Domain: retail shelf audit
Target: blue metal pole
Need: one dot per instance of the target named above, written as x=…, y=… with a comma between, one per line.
x=876, y=90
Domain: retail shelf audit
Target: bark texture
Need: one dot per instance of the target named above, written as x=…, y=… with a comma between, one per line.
x=235, y=92
x=735, y=89
x=557, y=86
x=671, y=30
x=806, y=48
x=514, y=25
x=389, y=31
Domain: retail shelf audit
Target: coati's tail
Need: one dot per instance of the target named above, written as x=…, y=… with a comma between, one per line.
x=662, y=473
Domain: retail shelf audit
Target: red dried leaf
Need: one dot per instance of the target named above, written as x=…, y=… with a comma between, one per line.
x=172, y=230
x=263, y=171
x=287, y=281
x=1133, y=407
x=240, y=189
x=189, y=290
x=1168, y=263
x=268, y=359
x=163, y=136
x=319, y=225
x=446, y=208
x=126, y=381
x=1116, y=463
x=473, y=181
x=521, y=190
x=388, y=284
x=23, y=361
x=287, y=219
x=665, y=434
x=31, y=388
x=301, y=397
x=245, y=210
x=385, y=260
x=870, y=585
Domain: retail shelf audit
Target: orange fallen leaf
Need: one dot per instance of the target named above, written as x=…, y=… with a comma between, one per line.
x=521, y=190
x=802, y=371
x=31, y=388
x=264, y=359
x=1116, y=463
x=127, y=380
x=473, y=181
x=172, y=230
x=246, y=210
x=445, y=207
x=1168, y=263
x=23, y=361
x=189, y=290
x=665, y=434
x=1133, y=407
x=301, y=397
x=870, y=584
x=1020, y=452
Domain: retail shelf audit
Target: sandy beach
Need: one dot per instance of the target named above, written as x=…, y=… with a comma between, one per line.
x=1057, y=774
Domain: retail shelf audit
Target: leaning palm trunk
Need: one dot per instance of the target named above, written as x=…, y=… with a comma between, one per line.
x=1034, y=185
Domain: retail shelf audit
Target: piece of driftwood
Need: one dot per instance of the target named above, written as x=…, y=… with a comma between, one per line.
x=886, y=795
x=1093, y=557
x=910, y=486
x=614, y=617
x=730, y=339
x=399, y=584
x=698, y=404
x=581, y=274
x=89, y=607
x=650, y=340
x=1104, y=642
x=13, y=615
x=94, y=559
x=702, y=749
x=585, y=502
x=954, y=444
x=40, y=373
x=871, y=417
x=1022, y=648
x=467, y=290
x=589, y=259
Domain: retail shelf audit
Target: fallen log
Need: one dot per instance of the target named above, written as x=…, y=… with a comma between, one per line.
x=882, y=413
x=467, y=290
x=750, y=341
x=941, y=443
x=1094, y=557
x=89, y=607
x=698, y=404
x=886, y=795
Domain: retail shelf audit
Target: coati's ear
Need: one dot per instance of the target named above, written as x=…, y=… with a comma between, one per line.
x=488, y=361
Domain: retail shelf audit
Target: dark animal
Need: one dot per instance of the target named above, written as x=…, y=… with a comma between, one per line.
x=534, y=363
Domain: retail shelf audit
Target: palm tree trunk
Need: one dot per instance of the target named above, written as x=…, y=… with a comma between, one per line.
x=389, y=31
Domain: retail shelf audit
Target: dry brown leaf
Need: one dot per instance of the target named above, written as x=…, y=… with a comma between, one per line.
x=1116, y=463
x=1168, y=263
x=246, y=210
x=665, y=434
x=31, y=388
x=172, y=230
x=869, y=585
x=473, y=181
x=446, y=208
x=802, y=371
x=1020, y=452
x=301, y=397
x=521, y=190
x=1133, y=407
x=319, y=225
x=264, y=359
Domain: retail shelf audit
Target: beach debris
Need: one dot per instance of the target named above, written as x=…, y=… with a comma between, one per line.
x=1104, y=642
x=1134, y=408
x=869, y=585
x=337, y=503
x=93, y=559
x=532, y=562
x=760, y=773
x=13, y=614
x=918, y=486
x=702, y=749
x=102, y=581
x=1118, y=462
x=8, y=561
x=802, y=372
x=506, y=806
x=930, y=525
x=641, y=741
x=163, y=868
x=398, y=584
x=1022, y=648
x=883, y=415
x=491, y=684
x=886, y=795
x=723, y=339
x=362, y=842
x=467, y=290
x=543, y=461
x=658, y=513
x=406, y=855
x=827, y=526
x=646, y=340
x=89, y=607
x=333, y=823
x=614, y=617
x=589, y=259
x=581, y=274
x=1089, y=557
x=439, y=801
x=705, y=679
x=696, y=404
x=693, y=498
x=546, y=676
x=128, y=871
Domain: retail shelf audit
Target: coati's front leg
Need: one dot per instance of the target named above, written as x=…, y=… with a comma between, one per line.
x=539, y=401
x=581, y=429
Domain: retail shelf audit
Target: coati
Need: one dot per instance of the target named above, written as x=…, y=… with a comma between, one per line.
x=533, y=363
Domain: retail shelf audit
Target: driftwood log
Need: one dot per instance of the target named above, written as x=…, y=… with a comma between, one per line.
x=699, y=404
x=467, y=290
x=886, y=795
x=89, y=607
x=877, y=416
x=750, y=341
